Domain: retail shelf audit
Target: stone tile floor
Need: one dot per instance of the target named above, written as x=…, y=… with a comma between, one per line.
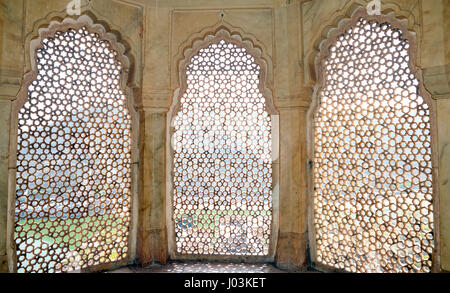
x=200, y=267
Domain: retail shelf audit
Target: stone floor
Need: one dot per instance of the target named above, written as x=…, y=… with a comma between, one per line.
x=200, y=267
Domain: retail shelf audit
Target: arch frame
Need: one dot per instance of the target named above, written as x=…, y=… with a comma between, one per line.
x=340, y=17
x=325, y=45
x=197, y=43
x=47, y=28
x=195, y=38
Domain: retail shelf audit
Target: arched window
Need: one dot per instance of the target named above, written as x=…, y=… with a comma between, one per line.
x=373, y=173
x=73, y=186
x=222, y=154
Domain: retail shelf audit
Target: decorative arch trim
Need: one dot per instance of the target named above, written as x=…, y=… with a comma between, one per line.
x=341, y=17
x=190, y=42
x=244, y=37
x=224, y=33
x=89, y=17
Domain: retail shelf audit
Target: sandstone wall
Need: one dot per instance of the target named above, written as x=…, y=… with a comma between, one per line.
x=289, y=32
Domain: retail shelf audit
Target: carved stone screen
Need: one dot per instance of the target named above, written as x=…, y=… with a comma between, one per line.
x=373, y=199
x=222, y=188
x=73, y=163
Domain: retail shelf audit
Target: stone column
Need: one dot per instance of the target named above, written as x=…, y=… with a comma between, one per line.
x=293, y=102
x=152, y=243
x=152, y=231
x=443, y=134
x=435, y=64
x=293, y=237
x=11, y=71
x=5, y=114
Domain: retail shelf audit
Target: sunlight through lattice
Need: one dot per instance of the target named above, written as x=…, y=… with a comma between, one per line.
x=73, y=164
x=222, y=156
x=373, y=196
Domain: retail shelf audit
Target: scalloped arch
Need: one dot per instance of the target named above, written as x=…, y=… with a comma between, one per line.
x=43, y=26
x=341, y=17
x=200, y=40
x=53, y=22
x=190, y=42
x=193, y=39
x=324, y=42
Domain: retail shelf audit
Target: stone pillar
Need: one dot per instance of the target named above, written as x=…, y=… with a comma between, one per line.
x=443, y=134
x=11, y=71
x=292, y=239
x=152, y=243
x=435, y=64
x=291, y=253
x=5, y=114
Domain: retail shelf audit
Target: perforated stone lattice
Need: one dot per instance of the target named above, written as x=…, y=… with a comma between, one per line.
x=372, y=164
x=73, y=164
x=222, y=173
